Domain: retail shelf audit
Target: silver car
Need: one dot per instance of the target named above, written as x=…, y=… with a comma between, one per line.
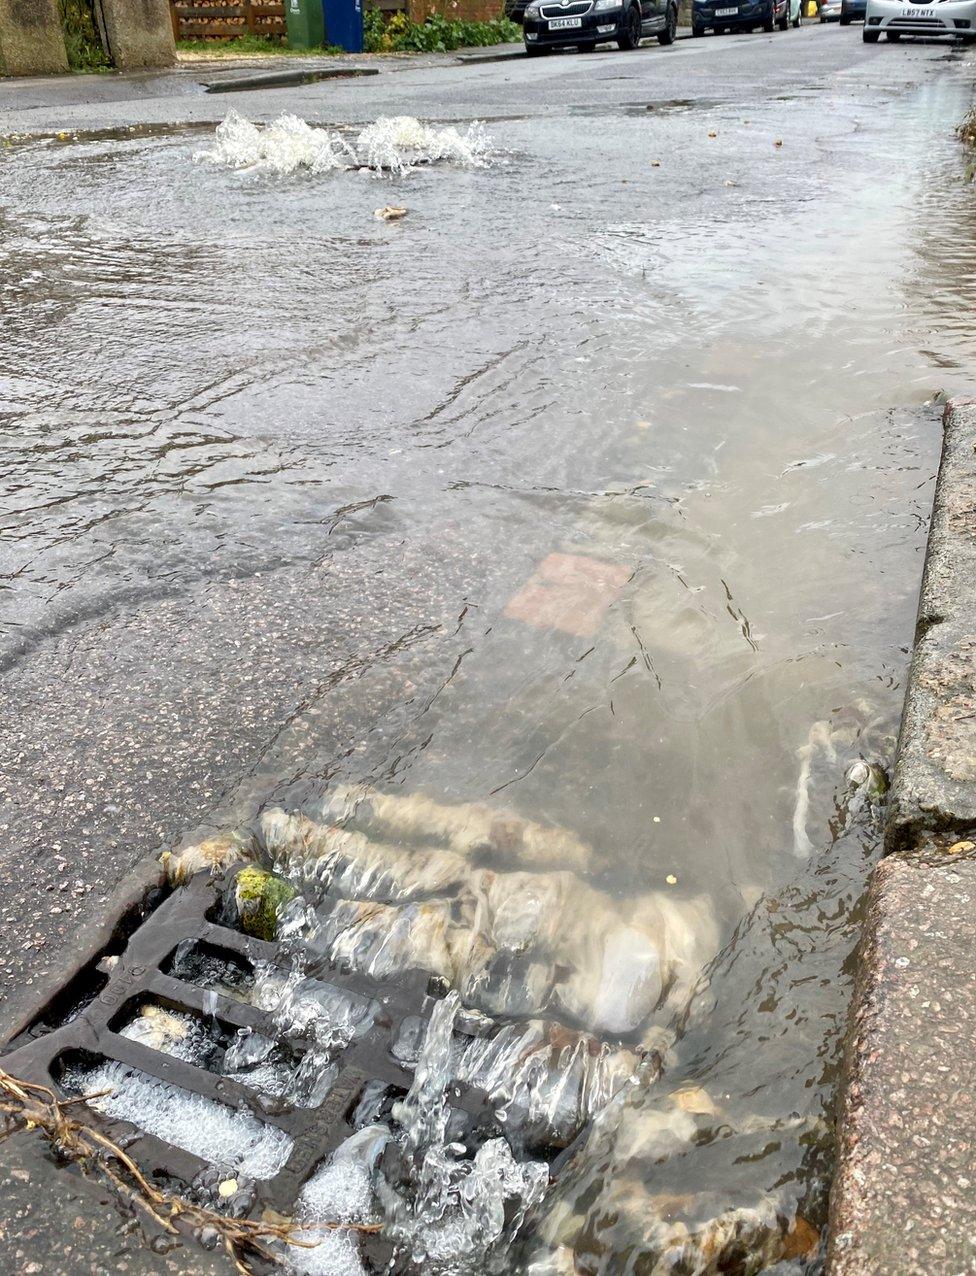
x=896, y=18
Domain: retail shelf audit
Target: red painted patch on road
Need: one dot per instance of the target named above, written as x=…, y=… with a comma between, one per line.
x=568, y=592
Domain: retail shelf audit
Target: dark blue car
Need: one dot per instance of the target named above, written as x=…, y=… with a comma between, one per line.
x=851, y=10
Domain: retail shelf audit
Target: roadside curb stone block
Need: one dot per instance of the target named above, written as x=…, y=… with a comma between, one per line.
x=31, y=42
x=904, y=1199
x=935, y=780
x=139, y=33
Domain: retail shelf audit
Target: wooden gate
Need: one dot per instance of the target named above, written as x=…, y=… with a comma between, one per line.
x=214, y=20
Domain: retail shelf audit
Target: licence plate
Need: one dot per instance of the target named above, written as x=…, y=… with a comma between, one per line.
x=918, y=13
x=560, y=24
x=726, y=13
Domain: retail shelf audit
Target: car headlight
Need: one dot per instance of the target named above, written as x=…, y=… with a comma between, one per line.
x=532, y=11
x=602, y=6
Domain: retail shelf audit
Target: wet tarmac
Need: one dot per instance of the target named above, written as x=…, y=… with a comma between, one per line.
x=595, y=488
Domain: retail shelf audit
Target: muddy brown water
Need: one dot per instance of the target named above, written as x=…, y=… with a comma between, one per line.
x=706, y=386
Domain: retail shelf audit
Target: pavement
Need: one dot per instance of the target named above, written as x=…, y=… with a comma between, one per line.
x=285, y=470
x=904, y=1202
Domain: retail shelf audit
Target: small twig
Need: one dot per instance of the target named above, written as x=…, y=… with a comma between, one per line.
x=28, y=1105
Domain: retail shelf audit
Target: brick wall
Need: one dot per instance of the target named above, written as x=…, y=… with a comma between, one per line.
x=465, y=10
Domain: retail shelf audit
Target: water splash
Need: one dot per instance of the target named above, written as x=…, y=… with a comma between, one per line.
x=391, y=144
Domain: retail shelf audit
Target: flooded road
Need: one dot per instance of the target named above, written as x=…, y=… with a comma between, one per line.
x=594, y=490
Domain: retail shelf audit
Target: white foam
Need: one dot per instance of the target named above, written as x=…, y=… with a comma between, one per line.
x=394, y=144
x=232, y=1139
x=341, y=1191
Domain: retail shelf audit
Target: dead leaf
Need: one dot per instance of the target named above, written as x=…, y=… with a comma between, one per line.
x=802, y=1240
x=957, y=848
x=694, y=1099
x=778, y=142
x=390, y=214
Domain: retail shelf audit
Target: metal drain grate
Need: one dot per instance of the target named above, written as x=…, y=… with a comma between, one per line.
x=144, y=973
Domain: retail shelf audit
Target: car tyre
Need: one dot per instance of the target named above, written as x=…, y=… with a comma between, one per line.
x=768, y=23
x=845, y=19
x=670, y=32
x=870, y=37
x=631, y=37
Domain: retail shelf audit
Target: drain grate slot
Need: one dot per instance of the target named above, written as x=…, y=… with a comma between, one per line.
x=184, y=969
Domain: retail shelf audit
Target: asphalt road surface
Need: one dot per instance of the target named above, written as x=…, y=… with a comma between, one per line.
x=595, y=486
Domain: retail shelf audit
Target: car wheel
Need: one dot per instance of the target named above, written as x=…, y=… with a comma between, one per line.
x=768, y=23
x=893, y=36
x=870, y=37
x=784, y=23
x=670, y=32
x=632, y=36
x=845, y=19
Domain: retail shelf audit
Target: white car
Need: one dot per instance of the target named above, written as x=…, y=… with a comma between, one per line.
x=896, y=18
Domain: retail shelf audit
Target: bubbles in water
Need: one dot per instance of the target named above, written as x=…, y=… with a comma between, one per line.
x=391, y=144
x=233, y=1140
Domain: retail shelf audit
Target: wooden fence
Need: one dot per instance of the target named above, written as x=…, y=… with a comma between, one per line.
x=214, y=20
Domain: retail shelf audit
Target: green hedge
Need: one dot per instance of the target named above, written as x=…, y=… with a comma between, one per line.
x=82, y=42
x=436, y=35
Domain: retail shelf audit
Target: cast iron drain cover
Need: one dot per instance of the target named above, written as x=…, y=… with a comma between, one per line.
x=146, y=972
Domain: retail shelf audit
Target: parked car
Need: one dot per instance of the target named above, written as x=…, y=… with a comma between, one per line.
x=743, y=15
x=895, y=18
x=555, y=24
x=830, y=10
x=851, y=9
x=789, y=13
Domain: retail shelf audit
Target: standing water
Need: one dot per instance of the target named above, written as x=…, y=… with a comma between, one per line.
x=608, y=508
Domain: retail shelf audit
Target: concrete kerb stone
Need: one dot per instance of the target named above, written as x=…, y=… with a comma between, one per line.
x=904, y=1197
x=287, y=79
x=903, y=1202
x=935, y=779
x=31, y=41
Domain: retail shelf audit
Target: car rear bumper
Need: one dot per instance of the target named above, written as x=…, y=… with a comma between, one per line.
x=593, y=28
x=947, y=19
x=751, y=13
